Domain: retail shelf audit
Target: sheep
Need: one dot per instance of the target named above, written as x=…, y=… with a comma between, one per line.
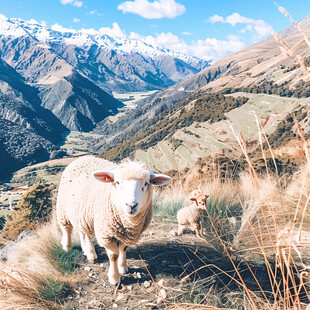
x=192, y=216
x=112, y=202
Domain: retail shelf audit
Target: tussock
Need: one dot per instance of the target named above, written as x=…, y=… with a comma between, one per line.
x=30, y=269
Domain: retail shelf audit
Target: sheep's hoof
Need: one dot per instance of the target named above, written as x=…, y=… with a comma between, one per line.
x=113, y=280
x=123, y=270
x=91, y=258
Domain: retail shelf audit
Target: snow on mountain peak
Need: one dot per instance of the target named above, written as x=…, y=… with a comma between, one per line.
x=109, y=38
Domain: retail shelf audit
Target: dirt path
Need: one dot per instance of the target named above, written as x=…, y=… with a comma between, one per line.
x=156, y=265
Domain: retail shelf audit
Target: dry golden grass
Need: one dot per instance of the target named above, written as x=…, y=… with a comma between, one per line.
x=30, y=269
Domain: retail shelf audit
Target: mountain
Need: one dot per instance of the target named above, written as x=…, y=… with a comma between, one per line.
x=118, y=64
x=20, y=104
x=20, y=147
x=77, y=102
x=175, y=127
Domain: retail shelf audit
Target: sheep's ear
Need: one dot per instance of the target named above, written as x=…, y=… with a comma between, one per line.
x=104, y=176
x=159, y=179
x=194, y=195
x=206, y=196
x=193, y=199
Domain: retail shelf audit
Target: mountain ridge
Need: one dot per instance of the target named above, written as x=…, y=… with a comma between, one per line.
x=123, y=47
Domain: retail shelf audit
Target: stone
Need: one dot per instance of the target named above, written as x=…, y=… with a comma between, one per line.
x=147, y=284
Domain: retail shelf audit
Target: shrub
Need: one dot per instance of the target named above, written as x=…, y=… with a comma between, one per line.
x=34, y=207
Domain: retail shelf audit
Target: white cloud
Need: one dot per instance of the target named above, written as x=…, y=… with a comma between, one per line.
x=186, y=33
x=153, y=10
x=76, y=20
x=76, y=3
x=115, y=31
x=236, y=18
x=261, y=28
x=57, y=27
x=216, y=18
x=94, y=12
x=90, y=31
x=209, y=49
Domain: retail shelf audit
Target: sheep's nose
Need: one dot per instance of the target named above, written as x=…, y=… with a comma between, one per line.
x=132, y=206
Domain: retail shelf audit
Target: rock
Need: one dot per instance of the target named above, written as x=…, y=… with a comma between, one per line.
x=5, y=251
x=129, y=287
x=139, y=275
x=147, y=284
x=87, y=268
x=173, y=233
x=161, y=296
x=161, y=282
x=23, y=234
x=115, y=305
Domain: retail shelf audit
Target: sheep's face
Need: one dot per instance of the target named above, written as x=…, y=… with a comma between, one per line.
x=199, y=199
x=131, y=195
x=131, y=188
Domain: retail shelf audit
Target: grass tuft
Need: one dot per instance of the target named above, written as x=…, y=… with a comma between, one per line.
x=54, y=290
x=67, y=261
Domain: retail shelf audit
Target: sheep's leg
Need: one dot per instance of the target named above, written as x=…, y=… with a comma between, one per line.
x=201, y=227
x=88, y=247
x=122, y=264
x=113, y=254
x=196, y=228
x=181, y=229
x=66, y=240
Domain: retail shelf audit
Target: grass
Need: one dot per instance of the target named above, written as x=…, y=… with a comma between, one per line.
x=42, y=273
x=67, y=261
x=168, y=208
x=54, y=290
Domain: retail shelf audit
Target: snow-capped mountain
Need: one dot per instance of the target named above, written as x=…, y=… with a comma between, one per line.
x=113, y=63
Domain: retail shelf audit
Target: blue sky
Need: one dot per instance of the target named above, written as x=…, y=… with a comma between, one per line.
x=205, y=28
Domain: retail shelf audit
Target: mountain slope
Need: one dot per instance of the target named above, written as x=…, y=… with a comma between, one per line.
x=60, y=86
x=260, y=68
x=20, y=104
x=20, y=146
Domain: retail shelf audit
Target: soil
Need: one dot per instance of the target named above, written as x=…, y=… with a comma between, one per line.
x=156, y=266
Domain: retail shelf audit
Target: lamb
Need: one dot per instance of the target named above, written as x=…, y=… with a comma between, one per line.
x=192, y=216
x=110, y=201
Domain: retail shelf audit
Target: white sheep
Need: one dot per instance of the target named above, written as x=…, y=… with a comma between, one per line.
x=109, y=201
x=191, y=217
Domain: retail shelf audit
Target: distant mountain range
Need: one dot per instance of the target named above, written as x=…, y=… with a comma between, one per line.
x=52, y=82
x=113, y=63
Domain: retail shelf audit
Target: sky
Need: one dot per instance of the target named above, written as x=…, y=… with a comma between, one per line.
x=207, y=29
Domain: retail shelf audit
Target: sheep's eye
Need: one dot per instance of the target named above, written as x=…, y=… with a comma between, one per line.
x=117, y=183
x=145, y=185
